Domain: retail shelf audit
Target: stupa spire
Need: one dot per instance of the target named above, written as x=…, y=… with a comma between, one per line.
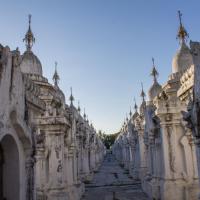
x=56, y=77
x=84, y=115
x=182, y=33
x=142, y=93
x=71, y=98
x=29, y=37
x=135, y=106
x=79, y=109
x=154, y=72
x=130, y=113
x=126, y=118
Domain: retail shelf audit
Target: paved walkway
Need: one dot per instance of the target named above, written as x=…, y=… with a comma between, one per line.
x=111, y=182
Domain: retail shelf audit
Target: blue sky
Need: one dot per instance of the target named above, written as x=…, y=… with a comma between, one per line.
x=103, y=47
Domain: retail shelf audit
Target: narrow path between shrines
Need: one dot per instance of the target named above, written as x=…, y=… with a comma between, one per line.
x=112, y=182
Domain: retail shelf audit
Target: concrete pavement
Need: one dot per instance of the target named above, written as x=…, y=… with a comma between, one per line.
x=112, y=182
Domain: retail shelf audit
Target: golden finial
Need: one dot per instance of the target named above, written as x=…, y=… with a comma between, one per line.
x=56, y=77
x=29, y=37
x=182, y=33
x=154, y=72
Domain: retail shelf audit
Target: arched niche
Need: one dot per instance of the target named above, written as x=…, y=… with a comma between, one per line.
x=9, y=169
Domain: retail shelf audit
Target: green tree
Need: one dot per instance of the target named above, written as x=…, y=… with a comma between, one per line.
x=108, y=139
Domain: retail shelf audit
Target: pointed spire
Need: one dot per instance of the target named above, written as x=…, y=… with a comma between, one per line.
x=124, y=123
x=130, y=113
x=71, y=98
x=126, y=118
x=79, y=109
x=29, y=37
x=56, y=77
x=135, y=106
x=91, y=124
x=182, y=33
x=142, y=93
x=154, y=72
x=84, y=115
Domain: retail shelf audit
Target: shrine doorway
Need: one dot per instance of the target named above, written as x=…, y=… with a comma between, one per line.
x=9, y=169
x=1, y=172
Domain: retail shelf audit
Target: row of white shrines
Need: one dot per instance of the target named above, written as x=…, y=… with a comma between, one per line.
x=160, y=144
x=47, y=149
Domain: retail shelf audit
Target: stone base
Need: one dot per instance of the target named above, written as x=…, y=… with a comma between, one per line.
x=134, y=174
x=126, y=165
x=88, y=178
x=40, y=195
x=152, y=189
x=142, y=172
x=171, y=190
x=58, y=194
x=76, y=191
x=179, y=190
